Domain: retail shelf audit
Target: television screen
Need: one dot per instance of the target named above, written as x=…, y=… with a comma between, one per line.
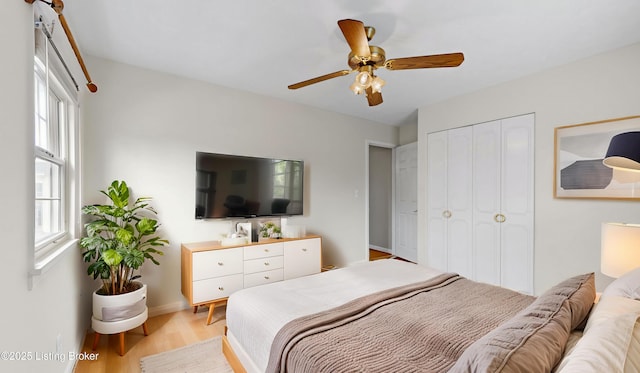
x=238, y=186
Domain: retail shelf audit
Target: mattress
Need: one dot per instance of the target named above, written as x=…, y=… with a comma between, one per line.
x=255, y=315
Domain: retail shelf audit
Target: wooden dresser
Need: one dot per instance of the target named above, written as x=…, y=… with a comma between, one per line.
x=211, y=272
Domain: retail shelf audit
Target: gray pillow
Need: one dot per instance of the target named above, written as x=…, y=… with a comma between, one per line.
x=626, y=286
x=534, y=339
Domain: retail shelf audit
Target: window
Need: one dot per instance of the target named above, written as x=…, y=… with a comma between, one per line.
x=49, y=163
x=55, y=164
x=287, y=180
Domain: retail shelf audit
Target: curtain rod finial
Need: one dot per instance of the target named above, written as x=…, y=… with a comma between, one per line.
x=92, y=87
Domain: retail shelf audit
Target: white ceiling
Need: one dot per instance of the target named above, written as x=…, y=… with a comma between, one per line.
x=262, y=46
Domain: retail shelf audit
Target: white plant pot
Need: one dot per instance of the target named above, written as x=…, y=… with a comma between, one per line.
x=118, y=313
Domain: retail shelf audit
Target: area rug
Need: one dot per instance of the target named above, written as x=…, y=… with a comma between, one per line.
x=201, y=357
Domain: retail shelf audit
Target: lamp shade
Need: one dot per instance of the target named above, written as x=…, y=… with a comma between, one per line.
x=624, y=151
x=620, y=248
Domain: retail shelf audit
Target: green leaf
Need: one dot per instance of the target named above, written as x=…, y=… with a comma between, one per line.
x=146, y=226
x=111, y=257
x=125, y=236
x=134, y=259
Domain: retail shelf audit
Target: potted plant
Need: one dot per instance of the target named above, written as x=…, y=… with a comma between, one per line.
x=120, y=238
x=268, y=230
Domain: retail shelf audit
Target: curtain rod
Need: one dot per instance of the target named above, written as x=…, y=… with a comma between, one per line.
x=57, y=6
x=55, y=49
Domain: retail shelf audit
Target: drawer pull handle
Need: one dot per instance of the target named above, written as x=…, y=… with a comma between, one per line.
x=304, y=250
x=266, y=250
x=220, y=288
x=220, y=263
x=266, y=263
x=266, y=277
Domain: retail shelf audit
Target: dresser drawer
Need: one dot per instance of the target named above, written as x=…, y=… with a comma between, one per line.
x=262, y=278
x=263, y=264
x=302, y=258
x=216, y=288
x=263, y=251
x=216, y=263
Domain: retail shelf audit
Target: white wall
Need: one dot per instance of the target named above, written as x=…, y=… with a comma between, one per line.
x=30, y=320
x=145, y=127
x=567, y=232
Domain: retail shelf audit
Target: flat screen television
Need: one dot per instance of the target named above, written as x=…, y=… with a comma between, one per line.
x=238, y=186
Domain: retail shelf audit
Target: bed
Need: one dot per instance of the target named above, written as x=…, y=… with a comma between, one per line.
x=390, y=315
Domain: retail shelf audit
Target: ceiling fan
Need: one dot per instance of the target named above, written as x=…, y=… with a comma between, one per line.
x=365, y=59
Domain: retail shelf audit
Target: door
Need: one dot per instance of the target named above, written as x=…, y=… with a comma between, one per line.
x=516, y=234
x=503, y=202
x=449, y=198
x=487, y=155
x=406, y=200
x=459, y=201
x=437, y=200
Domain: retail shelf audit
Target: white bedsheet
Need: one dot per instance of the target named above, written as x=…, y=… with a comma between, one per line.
x=254, y=315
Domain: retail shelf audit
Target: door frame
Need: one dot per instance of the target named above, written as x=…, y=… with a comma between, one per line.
x=379, y=144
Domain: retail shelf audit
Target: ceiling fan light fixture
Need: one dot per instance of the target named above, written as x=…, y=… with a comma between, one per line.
x=364, y=79
x=364, y=59
x=377, y=83
x=357, y=88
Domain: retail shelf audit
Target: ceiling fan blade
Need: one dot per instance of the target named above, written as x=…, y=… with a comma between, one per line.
x=319, y=79
x=356, y=36
x=423, y=62
x=373, y=98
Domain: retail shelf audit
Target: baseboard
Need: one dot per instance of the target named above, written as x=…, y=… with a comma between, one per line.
x=380, y=248
x=168, y=308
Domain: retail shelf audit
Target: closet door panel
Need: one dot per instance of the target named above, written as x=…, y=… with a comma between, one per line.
x=516, y=269
x=517, y=165
x=437, y=200
x=486, y=201
x=517, y=203
x=459, y=185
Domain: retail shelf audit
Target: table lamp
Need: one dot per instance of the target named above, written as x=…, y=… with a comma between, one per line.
x=620, y=248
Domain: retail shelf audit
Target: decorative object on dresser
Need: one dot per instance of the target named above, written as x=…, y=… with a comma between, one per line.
x=211, y=272
x=269, y=229
x=598, y=159
x=119, y=240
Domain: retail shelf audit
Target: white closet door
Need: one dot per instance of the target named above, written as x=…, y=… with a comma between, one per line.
x=517, y=203
x=437, y=200
x=459, y=200
x=406, y=191
x=487, y=156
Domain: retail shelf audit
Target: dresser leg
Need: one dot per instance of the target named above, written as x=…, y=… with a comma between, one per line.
x=212, y=306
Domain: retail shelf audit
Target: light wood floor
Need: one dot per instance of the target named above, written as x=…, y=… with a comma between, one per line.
x=377, y=254
x=166, y=332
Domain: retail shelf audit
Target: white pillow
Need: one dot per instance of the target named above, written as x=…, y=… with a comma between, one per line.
x=607, y=338
x=627, y=285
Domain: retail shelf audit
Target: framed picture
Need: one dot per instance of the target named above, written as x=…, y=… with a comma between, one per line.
x=578, y=168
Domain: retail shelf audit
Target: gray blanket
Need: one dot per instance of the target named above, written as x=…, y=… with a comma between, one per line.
x=422, y=327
